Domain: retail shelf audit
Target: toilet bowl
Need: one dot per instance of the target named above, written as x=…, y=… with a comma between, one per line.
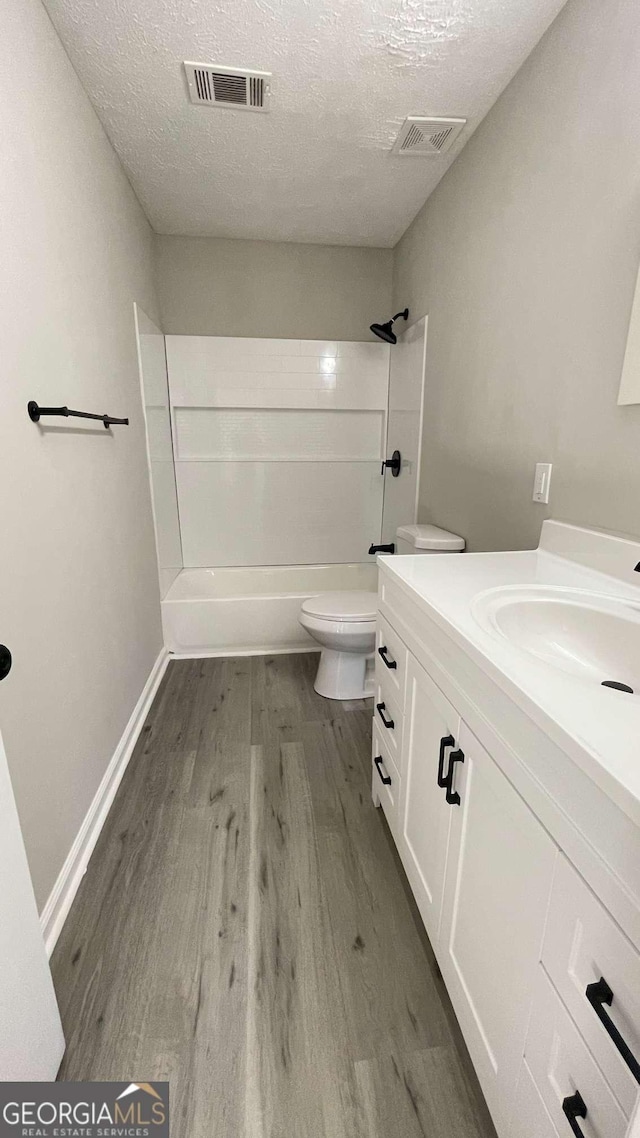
x=344, y=624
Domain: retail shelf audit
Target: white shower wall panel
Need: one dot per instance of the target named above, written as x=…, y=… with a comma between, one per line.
x=404, y=427
x=220, y=371
x=227, y=433
x=278, y=446
x=278, y=513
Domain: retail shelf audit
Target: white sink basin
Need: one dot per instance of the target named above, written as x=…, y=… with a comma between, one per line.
x=590, y=635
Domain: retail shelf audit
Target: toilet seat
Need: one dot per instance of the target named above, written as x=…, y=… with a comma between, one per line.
x=350, y=607
x=336, y=632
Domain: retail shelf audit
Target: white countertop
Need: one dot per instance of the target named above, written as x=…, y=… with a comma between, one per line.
x=597, y=727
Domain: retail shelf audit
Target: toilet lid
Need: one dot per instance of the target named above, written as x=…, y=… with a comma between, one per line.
x=351, y=605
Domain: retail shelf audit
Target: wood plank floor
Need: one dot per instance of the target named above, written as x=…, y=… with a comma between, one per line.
x=245, y=929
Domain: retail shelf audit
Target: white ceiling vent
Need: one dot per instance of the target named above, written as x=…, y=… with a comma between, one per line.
x=420, y=137
x=231, y=87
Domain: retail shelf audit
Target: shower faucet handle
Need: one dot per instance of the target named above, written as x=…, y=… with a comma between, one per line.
x=393, y=464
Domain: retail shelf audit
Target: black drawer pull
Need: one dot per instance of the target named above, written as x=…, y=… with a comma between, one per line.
x=574, y=1108
x=453, y=798
x=446, y=741
x=5, y=661
x=382, y=653
x=389, y=724
x=386, y=778
x=598, y=994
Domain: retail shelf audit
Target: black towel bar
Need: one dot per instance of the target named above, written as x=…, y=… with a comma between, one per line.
x=35, y=413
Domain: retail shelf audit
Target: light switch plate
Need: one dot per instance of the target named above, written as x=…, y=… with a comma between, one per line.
x=542, y=482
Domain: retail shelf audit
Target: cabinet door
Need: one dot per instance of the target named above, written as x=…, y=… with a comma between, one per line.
x=424, y=813
x=531, y=1119
x=498, y=883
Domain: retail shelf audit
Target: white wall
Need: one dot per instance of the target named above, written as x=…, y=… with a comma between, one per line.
x=79, y=598
x=525, y=258
x=211, y=286
x=152, y=365
x=278, y=445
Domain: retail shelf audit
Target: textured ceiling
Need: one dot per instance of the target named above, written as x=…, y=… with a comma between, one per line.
x=346, y=74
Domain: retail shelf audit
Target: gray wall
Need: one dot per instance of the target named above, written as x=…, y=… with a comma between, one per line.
x=525, y=258
x=79, y=593
x=217, y=287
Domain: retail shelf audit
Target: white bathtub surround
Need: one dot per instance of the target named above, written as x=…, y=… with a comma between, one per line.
x=344, y=625
x=511, y=783
x=278, y=445
x=152, y=366
x=211, y=612
x=407, y=362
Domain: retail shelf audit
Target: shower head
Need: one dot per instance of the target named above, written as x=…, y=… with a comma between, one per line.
x=385, y=331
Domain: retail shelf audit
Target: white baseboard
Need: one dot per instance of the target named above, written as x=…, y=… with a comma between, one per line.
x=228, y=653
x=61, y=898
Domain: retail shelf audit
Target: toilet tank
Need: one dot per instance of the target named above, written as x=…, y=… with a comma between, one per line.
x=427, y=539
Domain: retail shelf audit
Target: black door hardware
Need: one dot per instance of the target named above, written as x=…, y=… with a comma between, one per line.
x=389, y=724
x=598, y=994
x=393, y=464
x=574, y=1108
x=5, y=661
x=453, y=798
x=382, y=653
x=382, y=548
x=35, y=413
x=386, y=778
x=446, y=741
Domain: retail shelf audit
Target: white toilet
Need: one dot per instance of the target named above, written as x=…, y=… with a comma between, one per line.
x=345, y=623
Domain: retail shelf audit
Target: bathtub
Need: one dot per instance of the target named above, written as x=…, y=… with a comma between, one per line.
x=211, y=612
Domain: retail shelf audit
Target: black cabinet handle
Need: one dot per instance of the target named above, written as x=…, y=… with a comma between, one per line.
x=598, y=994
x=453, y=798
x=5, y=661
x=386, y=778
x=446, y=741
x=382, y=653
x=389, y=724
x=574, y=1108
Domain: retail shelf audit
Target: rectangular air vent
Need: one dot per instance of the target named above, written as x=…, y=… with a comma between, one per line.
x=230, y=87
x=420, y=136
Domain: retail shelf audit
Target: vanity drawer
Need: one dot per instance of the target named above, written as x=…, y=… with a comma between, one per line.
x=530, y=1118
x=391, y=657
x=388, y=716
x=562, y=1067
x=583, y=946
x=384, y=769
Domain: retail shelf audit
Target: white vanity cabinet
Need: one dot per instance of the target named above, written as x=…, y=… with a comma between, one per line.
x=473, y=853
x=517, y=933
x=500, y=866
x=432, y=729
